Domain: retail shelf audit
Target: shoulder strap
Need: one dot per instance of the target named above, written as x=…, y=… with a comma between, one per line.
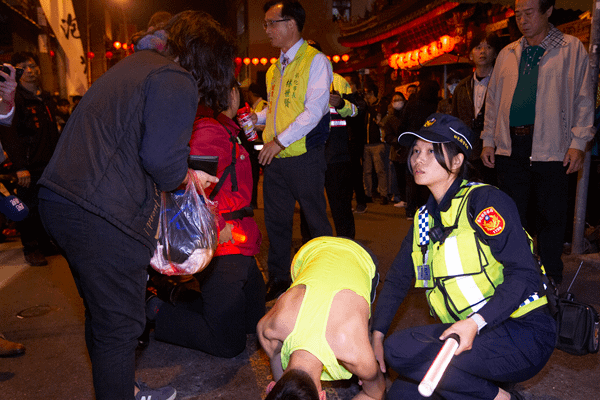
x=230, y=168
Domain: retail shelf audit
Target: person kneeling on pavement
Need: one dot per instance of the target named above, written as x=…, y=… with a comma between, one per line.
x=232, y=291
x=318, y=329
x=471, y=253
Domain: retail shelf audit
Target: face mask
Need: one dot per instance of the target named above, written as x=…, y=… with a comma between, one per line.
x=398, y=105
x=452, y=87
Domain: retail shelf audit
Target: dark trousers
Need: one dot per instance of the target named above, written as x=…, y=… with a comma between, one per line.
x=546, y=185
x=400, y=169
x=356, y=172
x=287, y=181
x=513, y=351
x=338, y=187
x=31, y=230
x=109, y=269
x=230, y=304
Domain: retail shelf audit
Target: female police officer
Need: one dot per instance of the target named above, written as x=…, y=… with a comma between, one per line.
x=468, y=249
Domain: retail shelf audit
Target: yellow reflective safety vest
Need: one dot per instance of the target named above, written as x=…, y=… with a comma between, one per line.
x=461, y=273
x=338, y=116
x=287, y=93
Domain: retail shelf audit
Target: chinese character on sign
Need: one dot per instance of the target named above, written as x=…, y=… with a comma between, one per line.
x=70, y=27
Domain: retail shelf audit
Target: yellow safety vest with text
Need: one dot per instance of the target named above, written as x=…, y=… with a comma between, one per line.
x=287, y=93
x=463, y=274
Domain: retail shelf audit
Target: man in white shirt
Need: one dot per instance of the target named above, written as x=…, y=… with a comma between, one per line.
x=296, y=128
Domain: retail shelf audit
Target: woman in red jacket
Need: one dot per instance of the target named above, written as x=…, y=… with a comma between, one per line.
x=232, y=299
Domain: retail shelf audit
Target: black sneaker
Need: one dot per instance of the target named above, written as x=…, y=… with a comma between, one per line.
x=163, y=393
x=36, y=259
x=360, y=208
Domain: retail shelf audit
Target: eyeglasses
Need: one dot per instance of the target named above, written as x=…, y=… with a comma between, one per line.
x=268, y=24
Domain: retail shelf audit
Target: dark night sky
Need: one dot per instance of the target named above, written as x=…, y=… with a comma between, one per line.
x=140, y=11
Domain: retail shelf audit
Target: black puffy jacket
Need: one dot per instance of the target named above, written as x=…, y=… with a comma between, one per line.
x=126, y=141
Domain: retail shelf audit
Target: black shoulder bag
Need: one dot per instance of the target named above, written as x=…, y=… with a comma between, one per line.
x=577, y=323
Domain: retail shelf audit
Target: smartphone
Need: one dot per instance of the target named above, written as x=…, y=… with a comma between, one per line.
x=18, y=73
x=207, y=164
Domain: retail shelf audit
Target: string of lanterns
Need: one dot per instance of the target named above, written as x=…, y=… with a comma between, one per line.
x=263, y=60
x=418, y=56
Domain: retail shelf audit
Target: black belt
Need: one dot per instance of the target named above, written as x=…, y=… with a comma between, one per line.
x=524, y=130
x=247, y=211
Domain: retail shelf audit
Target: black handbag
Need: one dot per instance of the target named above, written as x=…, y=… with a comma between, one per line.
x=577, y=323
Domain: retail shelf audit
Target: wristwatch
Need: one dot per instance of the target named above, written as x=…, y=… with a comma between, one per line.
x=478, y=320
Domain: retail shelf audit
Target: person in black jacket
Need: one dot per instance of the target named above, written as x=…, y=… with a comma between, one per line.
x=29, y=142
x=127, y=141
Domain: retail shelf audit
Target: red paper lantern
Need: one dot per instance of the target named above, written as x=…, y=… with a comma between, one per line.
x=90, y=55
x=273, y=60
x=345, y=57
x=447, y=43
x=264, y=61
x=109, y=55
x=238, y=61
x=336, y=58
x=117, y=45
x=255, y=61
x=433, y=50
x=247, y=60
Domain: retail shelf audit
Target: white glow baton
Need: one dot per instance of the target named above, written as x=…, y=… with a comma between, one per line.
x=437, y=369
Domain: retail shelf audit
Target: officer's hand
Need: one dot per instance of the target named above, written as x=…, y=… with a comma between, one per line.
x=267, y=153
x=466, y=330
x=488, y=157
x=377, y=344
x=336, y=100
x=574, y=158
x=24, y=178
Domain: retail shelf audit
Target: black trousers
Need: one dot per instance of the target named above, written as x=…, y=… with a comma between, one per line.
x=338, y=187
x=231, y=302
x=31, y=229
x=109, y=269
x=356, y=172
x=544, y=185
x=513, y=351
x=287, y=181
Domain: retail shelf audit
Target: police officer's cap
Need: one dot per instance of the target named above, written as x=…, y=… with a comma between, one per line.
x=442, y=128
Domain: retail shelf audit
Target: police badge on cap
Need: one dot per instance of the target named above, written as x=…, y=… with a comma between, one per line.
x=442, y=128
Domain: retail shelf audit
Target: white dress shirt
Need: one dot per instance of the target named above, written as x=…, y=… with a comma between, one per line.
x=316, y=101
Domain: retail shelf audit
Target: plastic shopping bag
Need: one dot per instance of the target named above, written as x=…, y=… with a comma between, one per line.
x=187, y=232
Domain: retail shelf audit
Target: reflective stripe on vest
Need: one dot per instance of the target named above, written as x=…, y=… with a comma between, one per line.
x=336, y=119
x=463, y=271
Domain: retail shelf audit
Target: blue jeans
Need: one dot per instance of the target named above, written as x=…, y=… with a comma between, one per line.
x=109, y=269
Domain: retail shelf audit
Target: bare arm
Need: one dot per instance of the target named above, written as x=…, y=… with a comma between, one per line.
x=270, y=344
x=366, y=368
x=353, y=349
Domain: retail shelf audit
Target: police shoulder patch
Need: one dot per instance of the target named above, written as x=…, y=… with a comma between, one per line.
x=490, y=221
